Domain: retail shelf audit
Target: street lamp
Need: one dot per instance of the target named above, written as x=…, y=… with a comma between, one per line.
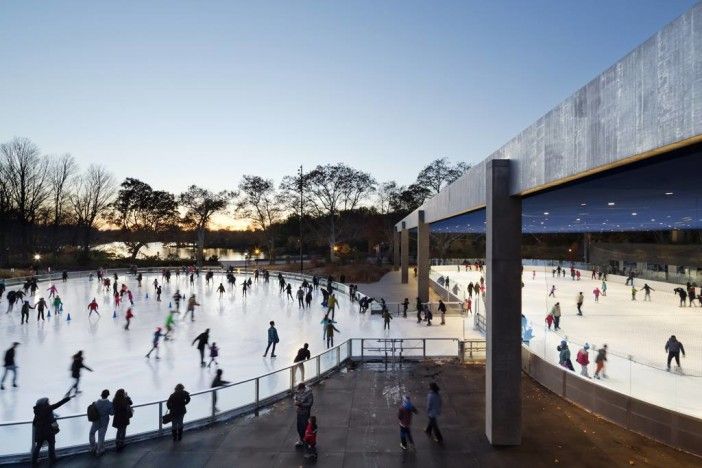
x=37, y=257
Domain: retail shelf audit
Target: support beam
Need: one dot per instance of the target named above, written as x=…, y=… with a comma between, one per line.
x=503, y=397
x=396, y=249
x=404, y=254
x=423, y=231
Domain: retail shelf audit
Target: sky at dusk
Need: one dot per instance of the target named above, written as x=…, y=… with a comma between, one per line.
x=176, y=93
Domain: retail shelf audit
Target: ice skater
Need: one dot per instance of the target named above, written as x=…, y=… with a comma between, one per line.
x=604, y=288
x=218, y=381
x=386, y=318
x=647, y=292
x=25, y=312
x=52, y=291
x=41, y=305
x=288, y=292
x=58, y=305
x=93, y=307
x=154, y=344
x=600, y=362
x=129, y=315
x=191, y=308
x=633, y=293
x=579, y=299
x=596, y=292
x=214, y=353
x=553, y=291
x=674, y=348
x=9, y=365
x=76, y=366
x=202, y=339
x=330, y=334
x=583, y=358
x=556, y=313
x=221, y=290
x=170, y=324
x=273, y=339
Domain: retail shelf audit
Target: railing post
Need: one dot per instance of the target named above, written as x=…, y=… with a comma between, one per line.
x=292, y=379
x=350, y=348
x=319, y=368
x=338, y=356
x=424, y=347
x=214, y=409
x=256, y=404
x=362, y=353
x=160, y=417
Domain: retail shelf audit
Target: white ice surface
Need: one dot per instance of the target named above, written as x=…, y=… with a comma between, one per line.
x=630, y=328
x=238, y=325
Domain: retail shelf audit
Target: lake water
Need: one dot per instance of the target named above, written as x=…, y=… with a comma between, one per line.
x=172, y=251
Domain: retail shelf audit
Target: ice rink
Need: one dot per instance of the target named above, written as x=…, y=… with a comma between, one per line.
x=635, y=331
x=237, y=324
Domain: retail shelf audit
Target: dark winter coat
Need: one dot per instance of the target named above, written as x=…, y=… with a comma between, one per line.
x=43, y=418
x=123, y=412
x=177, y=401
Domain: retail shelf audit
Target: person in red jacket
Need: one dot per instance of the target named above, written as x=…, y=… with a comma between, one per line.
x=129, y=316
x=583, y=359
x=93, y=307
x=311, y=438
x=404, y=414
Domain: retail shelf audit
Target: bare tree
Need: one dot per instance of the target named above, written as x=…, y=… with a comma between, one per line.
x=91, y=201
x=24, y=172
x=384, y=195
x=61, y=176
x=440, y=172
x=200, y=205
x=262, y=205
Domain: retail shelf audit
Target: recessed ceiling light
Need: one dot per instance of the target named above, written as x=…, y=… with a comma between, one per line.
x=610, y=203
x=668, y=193
x=634, y=214
x=583, y=204
x=546, y=213
x=577, y=219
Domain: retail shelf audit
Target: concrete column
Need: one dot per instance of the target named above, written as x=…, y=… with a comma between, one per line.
x=396, y=249
x=503, y=395
x=423, y=231
x=404, y=254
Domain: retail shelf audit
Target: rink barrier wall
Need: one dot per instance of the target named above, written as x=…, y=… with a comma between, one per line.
x=669, y=427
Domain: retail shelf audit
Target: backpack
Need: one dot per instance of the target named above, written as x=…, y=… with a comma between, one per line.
x=93, y=414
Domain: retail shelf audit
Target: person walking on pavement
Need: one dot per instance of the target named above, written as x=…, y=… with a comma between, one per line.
x=404, y=415
x=674, y=348
x=123, y=412
x=303, y=401
x=433, y=412
x=9, y=365
x=303, y=354
x=45, y=427
x=103, y=410
x=176, y=404
x=600, y=362
x=202, y=339
x=579, y=299
x=272, y=339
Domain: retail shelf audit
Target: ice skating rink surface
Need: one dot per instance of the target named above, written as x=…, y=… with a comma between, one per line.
x=635, y=332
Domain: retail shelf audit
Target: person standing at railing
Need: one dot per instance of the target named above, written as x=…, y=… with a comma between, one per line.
x=9, y=365
x=272, y=339
x=176, y=404
x=123, y=412
x=583, y=358
x=303, y=354
x=103, y=410
x=303, y=401
x=45, y=427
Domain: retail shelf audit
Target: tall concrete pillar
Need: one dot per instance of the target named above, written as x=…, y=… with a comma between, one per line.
x=503, y=396
x=396, y=249
x=423, y=231
x=404, y=254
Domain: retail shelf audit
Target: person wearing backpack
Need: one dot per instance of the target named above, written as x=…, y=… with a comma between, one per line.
x=583, y=359
x=122, y=406
x=99, y=414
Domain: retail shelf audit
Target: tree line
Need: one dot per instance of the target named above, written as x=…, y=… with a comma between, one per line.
x=47, y=202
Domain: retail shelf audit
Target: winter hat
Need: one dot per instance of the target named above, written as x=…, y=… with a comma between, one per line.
x=563, y=342
x=587, y=346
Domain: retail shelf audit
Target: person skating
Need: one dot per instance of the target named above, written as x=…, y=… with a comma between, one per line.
x=52, y=291
x=300, y=298
x=191, y=308
x=45, y=427
x=158, y=294
x=428, y=315
x=579, y=299
x=303, y=399
x=330, y=334
x=218, y=381
x=176, y=299
x=553, y=291
x=123, y=412
x=647, y=292
x=633, y=293
x=418, y=305
x=682, y=294
x=674, y=348
x=9, y=365
x=596, y=292
x=129, y=315
x=214, y=353
x=202, y=340
x=288, y=292
x=564, y=355
x=170, y=325
x=220, y=290
x=58, y=305
x=25, y=312
x=154, y=344
x=404, y=415
x=76, y=366
x=176, y=404
x=604, y=288
x=303, y=354
x=583, y=358
x=433, y=412
x=308, y=298
x=386, y=318
x=102, y=412
x=600, y=362
x=331, y=304
x=405, y=305
x=11, y=299
x=245, y=288
x=272, y=339
x=93, y=307
x=442, y=310
x=41, y=306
